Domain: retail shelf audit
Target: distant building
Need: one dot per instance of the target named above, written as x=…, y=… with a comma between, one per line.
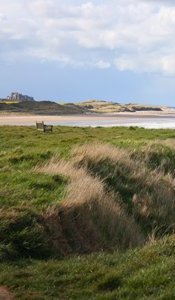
x=15, y=96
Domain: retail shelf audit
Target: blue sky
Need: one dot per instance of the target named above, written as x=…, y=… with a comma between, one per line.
x=72, y=50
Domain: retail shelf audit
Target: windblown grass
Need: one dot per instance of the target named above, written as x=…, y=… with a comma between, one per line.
x=159, y=156
x=89, y=219
x=117, y=199
x=149, y=195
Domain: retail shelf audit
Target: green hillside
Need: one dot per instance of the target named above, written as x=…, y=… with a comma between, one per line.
x=53, y=108
x=41, y=108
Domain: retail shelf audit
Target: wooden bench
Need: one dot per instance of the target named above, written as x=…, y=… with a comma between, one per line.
x=43, y=127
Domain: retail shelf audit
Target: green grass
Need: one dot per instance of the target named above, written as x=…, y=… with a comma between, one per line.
x=25, y=195
x=140, y=274
x=22, y=148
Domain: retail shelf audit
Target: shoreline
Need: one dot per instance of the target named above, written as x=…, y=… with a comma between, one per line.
x=17, y=119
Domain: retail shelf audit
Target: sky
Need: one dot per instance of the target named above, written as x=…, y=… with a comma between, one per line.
x=72, y=50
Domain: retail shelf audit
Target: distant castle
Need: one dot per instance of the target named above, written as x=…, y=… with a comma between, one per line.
x=15, y=96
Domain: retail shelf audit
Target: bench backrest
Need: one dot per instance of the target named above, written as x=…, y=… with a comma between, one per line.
x=40, y=126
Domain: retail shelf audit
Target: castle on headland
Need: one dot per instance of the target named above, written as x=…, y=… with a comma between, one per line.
x=15, y=96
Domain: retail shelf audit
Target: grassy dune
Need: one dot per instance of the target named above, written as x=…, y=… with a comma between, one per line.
x=87, y=213
x=100, y=106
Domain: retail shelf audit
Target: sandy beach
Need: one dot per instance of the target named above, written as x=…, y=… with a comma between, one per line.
x=117, y=119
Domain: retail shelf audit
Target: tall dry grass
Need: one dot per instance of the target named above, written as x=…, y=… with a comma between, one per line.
x=100, y=179
x=99, y=152
x=151, y=191
x=88, y=219
x=168, y=142
x=158, y=155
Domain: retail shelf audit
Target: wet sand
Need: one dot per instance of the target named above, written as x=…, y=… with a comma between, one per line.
x=117, y=119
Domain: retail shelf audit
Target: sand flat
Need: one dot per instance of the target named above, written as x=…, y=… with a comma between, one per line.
x=117, y=119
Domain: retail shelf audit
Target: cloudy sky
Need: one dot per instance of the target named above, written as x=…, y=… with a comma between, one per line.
x=71, y=50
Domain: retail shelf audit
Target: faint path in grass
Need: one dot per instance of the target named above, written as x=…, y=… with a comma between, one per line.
x=5, y=294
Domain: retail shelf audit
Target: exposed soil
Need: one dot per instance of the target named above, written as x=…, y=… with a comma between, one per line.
x=5, y=294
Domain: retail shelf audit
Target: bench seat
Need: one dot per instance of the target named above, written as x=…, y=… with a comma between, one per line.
x=43, y=127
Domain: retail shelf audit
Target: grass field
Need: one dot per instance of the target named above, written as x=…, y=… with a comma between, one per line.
x=87, y=213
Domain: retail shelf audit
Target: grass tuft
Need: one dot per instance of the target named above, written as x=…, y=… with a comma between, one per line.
x=89, y=219
x=110, y=283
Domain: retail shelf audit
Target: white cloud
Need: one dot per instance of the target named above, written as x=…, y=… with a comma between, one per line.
x=101, y=64
x=135, y=35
